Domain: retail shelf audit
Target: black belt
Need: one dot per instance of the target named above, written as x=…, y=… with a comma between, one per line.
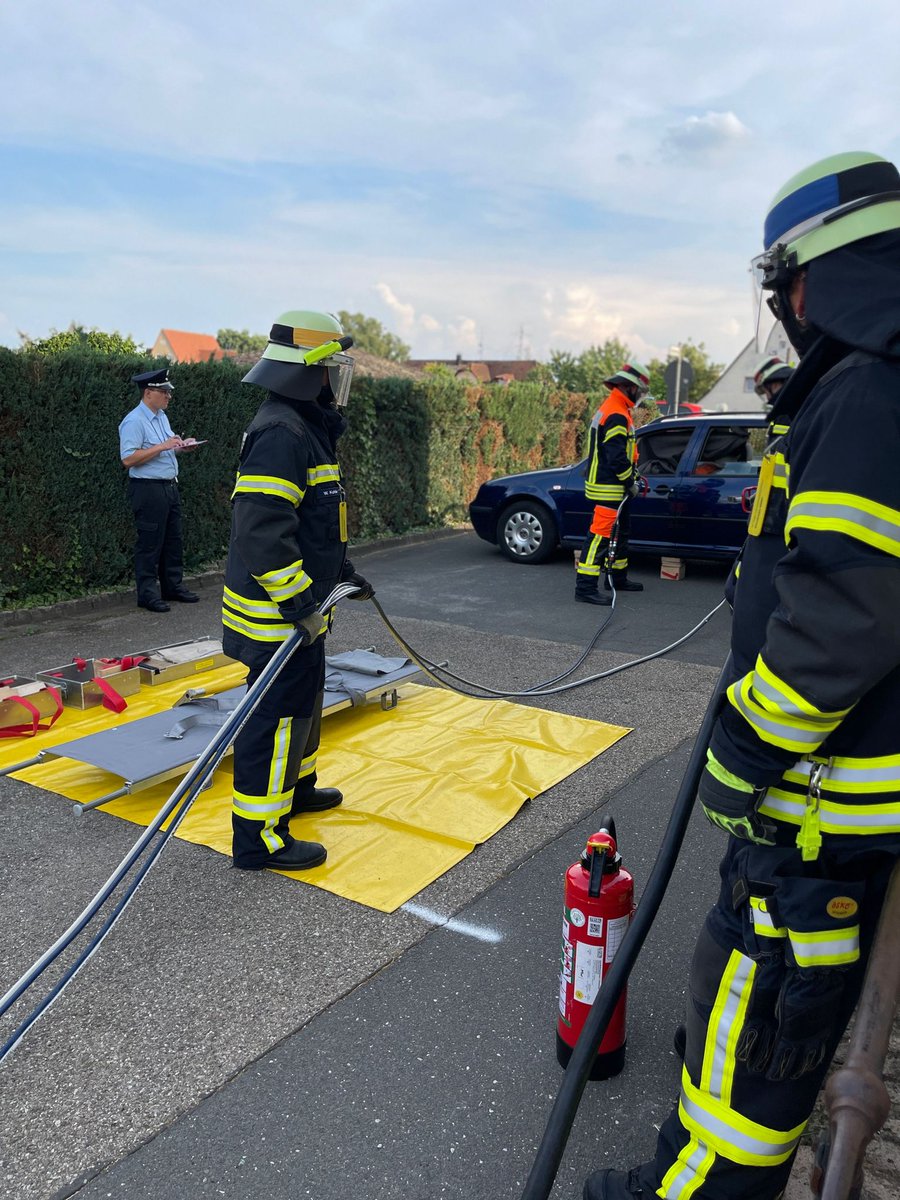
x=141, y=479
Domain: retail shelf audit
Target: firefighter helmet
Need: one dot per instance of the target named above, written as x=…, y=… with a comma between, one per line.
x=631, y=373
x=301, y=343
x=836, y=201
x=770, y=369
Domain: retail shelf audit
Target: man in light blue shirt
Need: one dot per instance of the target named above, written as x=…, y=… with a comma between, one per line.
x=148, y=449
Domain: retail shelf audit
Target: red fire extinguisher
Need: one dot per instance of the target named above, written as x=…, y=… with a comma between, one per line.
x=597, y=907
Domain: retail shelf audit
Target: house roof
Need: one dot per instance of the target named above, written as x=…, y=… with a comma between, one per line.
x=194, y=347
x=492, y=370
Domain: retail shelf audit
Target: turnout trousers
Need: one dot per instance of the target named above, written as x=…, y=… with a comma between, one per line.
x=595, y=548
x=158, y=566
x=275, y=753
x=772, y=988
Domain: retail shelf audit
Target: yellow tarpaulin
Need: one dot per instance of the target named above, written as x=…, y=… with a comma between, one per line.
x=423, y=783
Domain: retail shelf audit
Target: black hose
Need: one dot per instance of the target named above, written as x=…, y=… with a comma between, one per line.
x=562, y=1115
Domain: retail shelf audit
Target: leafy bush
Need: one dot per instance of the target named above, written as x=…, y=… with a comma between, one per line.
x=414, y=455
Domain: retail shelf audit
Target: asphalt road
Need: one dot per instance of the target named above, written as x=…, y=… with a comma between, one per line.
x=253, y=1036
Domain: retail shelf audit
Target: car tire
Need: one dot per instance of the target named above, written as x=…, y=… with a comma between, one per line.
x=526, y=532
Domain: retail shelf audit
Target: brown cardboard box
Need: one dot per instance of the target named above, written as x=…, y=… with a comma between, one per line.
x=671, y=568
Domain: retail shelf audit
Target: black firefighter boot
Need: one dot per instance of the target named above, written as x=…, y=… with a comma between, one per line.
x=617, y=1185
x=587, y=591
x=622, y=582
x=315, y=800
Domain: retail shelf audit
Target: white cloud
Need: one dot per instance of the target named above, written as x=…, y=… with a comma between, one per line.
x=702, y=137
x=405, y=314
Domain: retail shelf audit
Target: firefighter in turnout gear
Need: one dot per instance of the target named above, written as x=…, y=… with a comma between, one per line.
x=771, y=374
x=287, y=551
x=803, y=768
x=610, y=477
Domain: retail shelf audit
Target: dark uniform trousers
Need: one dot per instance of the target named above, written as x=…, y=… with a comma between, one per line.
x=595, y=548
x=158, y=566
x=275, y=753
x=759, y=1010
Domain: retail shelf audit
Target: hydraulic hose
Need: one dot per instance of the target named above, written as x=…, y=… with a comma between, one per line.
x=178, y=803
x=550, y=688
x=562, y=1115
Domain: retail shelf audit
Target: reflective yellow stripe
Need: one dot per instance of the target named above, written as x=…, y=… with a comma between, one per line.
x=826, y=947
x=850, y=776
x=688, y=1172
x=326, y=473
x=280, y=750
x=626, y=474
x=725, y=1024
x=843, y=512
x=781, y=472
x=285, y=582
x=761, y=918
x=258, y=633
x=616, y=431
x=773, y=710
x=267, y=485
x=307, y=766
x=834, y=818
x=728, y=1133
x=252, y=608
x=604, y=491
x=261, y=808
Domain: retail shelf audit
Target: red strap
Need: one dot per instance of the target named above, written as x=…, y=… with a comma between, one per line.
x=32, y=729
x=111, y=698
x=126, y=663
x=80, y=663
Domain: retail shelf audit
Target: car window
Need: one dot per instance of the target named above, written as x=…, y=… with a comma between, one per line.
x=731, y=450
x=660, y=451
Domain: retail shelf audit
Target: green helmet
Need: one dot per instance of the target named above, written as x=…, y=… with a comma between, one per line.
x=633, y=373
x=836, y=201
x=301, y=344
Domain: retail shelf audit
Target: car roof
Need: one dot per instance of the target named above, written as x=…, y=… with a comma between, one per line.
x=726, y=418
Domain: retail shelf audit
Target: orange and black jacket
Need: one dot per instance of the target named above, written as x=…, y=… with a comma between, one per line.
x=610, y=467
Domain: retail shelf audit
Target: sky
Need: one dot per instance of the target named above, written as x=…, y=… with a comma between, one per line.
x=496, y=180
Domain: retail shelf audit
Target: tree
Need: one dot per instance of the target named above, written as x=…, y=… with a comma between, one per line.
x=77, y=335
x=371, y=336
x=587, y=371
x=242, y=341
x=706, y=372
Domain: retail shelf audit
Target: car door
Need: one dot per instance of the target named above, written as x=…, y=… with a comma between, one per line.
x=661, y=452
x=575, y=510
x=718, y=478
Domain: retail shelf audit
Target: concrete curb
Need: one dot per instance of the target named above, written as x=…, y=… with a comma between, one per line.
x=19, y=618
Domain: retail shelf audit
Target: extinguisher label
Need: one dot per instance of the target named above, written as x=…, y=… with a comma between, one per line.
x=595, y=927
x=615, y=931
x=588, y=971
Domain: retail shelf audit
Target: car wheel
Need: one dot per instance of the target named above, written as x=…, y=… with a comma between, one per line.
x=526, y=532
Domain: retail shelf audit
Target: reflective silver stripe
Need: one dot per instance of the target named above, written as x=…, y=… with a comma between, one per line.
x=251, y=608
x=783, y=731
x=260, y=808
x=839, y=772
x=762, y=921
x=834, y=817
x=860, y=519
x=268, y=486
x=825, y=949
x=267, y=633
x=327, y=473
x=742, y=973
x=726, y=1134
x=688, y=1168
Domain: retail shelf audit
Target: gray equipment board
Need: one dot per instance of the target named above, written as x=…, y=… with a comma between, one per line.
x=162, y=746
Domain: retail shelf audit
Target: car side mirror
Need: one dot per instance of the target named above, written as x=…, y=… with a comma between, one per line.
x=747, y=497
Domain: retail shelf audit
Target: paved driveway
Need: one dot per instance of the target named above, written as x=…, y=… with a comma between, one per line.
x=248, y=1036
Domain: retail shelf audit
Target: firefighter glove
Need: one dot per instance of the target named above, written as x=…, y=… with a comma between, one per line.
x=636, y=486
x=807, y=1012
x=310, y=622
x=366, y=591
x=732, y=803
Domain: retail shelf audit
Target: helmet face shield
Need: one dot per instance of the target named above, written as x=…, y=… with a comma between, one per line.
x=340, y=373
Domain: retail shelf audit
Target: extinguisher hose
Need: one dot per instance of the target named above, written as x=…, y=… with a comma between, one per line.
x=562, y=1115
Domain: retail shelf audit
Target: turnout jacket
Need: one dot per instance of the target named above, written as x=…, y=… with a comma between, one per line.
x=288, y=529
x=814, y=716
x=610, y=467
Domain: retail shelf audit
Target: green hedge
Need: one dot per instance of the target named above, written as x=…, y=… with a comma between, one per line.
x=414, y=455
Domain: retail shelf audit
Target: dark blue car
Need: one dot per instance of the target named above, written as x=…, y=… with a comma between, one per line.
x=701, y=473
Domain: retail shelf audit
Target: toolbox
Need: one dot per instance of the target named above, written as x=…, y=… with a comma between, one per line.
x=181, y=660
x=86, y=683
x=41, y=704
